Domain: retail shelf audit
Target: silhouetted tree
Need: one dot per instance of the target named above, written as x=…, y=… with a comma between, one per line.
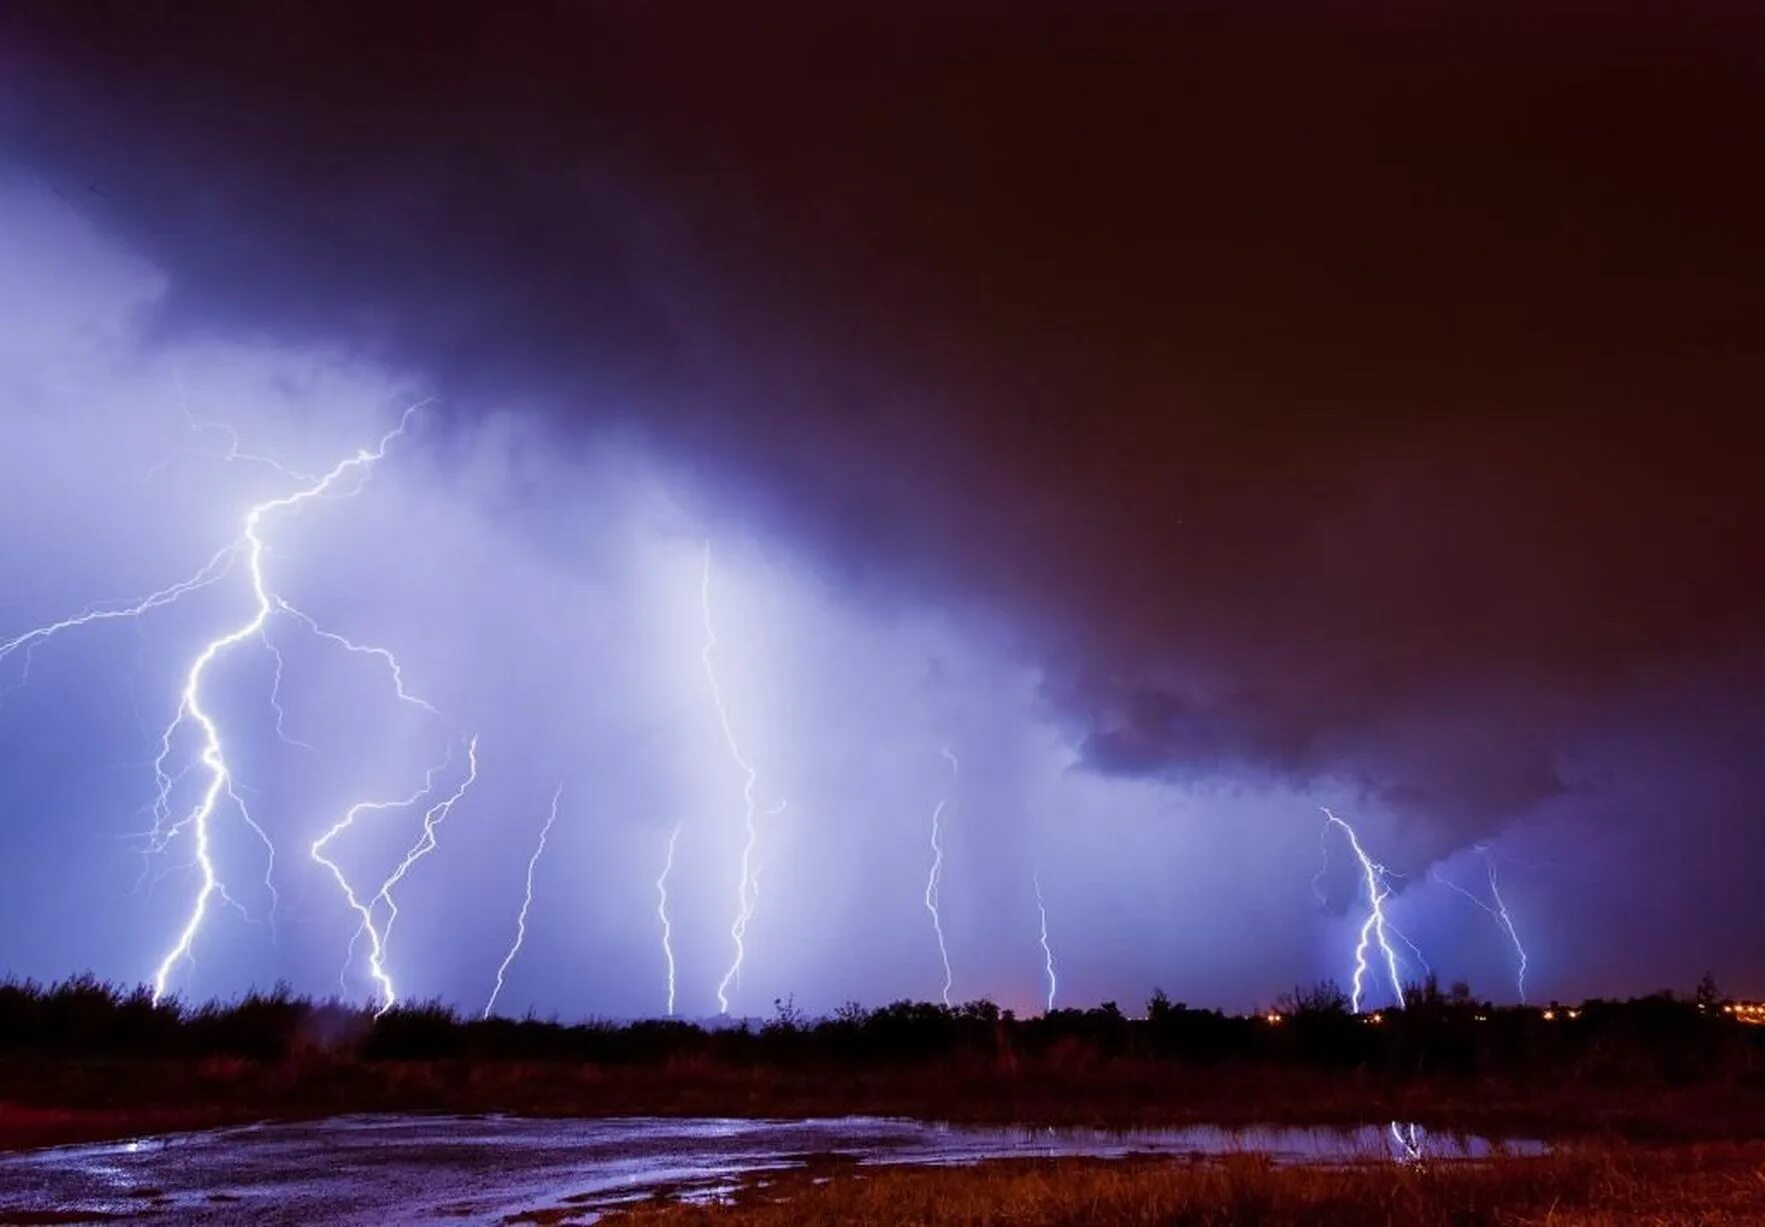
x=1323, y=997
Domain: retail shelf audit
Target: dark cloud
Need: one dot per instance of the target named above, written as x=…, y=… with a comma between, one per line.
x=1322, y=395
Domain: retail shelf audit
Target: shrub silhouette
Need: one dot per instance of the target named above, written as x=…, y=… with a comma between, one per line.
x=1660, y=1039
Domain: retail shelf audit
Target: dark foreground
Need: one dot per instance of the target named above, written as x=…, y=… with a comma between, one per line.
x=1654, y=1112
x=1583, y=1187
x=52, y=1103
x=357, y=1171
x=410, y=1169
x=85, y=1061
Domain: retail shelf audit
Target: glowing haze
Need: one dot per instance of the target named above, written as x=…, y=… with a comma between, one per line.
x=1175, y=460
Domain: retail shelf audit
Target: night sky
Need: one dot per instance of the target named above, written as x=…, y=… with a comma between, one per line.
x=1187, y=415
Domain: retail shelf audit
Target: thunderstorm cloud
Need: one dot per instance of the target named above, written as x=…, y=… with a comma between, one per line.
x=1196, y=413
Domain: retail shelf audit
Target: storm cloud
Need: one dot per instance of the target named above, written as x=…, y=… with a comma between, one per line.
x=1320, y=399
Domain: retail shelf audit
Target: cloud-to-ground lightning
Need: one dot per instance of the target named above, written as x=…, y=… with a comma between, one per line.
x=934, y=880
x=1376, y=928
x=1047, y=949
x=662, y=914
x=191, y=710
x=364, y=911
x=213, y=754
x=426, y=843
x=526, y=903
x=747, y=888
x=1497, y=909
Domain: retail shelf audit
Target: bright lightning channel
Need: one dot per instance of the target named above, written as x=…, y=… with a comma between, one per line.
x=433, y=817
x=364, y=911
x=662, y=914
x=1047, y=950
x=1497, y=909
x=934, y=880
x=211, y=572
x=191, y=711
x=213, y=755
x=526, y=904
x=1375, y=879
x=747, y=888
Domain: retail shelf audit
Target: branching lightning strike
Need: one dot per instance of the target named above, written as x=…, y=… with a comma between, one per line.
x=191, y=711
x=747, y=888
x=526, y=904
x=1497, y=909
x=433, y=817
x=364, y=911
x=1375, y=880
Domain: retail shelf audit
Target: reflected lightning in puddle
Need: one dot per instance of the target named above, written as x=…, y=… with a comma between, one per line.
x=1408, y=1141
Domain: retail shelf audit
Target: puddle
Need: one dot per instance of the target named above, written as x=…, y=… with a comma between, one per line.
x=458, y=1169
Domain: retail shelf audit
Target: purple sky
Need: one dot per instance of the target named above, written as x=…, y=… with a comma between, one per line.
x=1189, y=417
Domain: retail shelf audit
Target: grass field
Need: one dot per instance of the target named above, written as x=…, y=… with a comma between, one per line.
x=46, y=1101
x=1584, y=1186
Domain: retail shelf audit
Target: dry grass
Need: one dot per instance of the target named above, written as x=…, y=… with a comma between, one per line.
x=1586, y=1187
x=63, y=1100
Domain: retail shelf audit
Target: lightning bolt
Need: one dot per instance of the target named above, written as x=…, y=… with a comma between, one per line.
x=433, y=817
x=276, y=697
x=234, y=452
x=1047, y=950
x=747, y=889
x=364, y=911
x=662, y=913
x=213, y=754
x=1498, y=911
x=526, y=904
x=380, y=934
x=393, y=668
x=191, y=711
x=211, y=572
x=1376, y=928
x=934, y=880
x=1507, y=922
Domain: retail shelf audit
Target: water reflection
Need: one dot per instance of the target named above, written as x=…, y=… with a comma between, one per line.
x=406, y=1169
x=1408, y=1141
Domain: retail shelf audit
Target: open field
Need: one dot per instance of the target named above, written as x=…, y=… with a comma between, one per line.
x=47, y=1103
x=1654, y=1108
x=1587, y=1186
x=368, y=1171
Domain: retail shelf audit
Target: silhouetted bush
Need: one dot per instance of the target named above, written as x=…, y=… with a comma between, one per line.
x=1661, y=1039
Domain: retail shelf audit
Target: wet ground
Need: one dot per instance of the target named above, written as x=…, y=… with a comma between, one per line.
x=423, y=1169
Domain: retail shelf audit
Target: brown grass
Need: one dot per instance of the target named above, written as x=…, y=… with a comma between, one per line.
x=1599, y=1186
x=64, y=1100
